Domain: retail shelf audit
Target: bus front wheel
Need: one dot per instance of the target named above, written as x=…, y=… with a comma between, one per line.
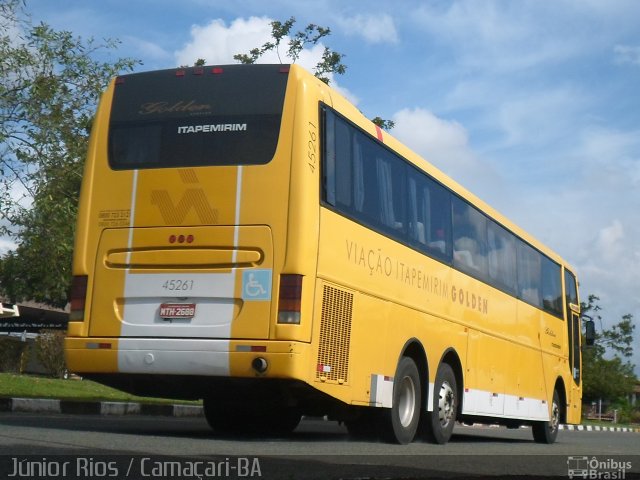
x=440, y=420
x=547, y=432
x=400, y=422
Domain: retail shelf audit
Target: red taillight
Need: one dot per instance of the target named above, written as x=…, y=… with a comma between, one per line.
x=217, y=70
x=181, y=238
x=98, y=346
x=290, y=299
x=78, y=297
x=180, y=73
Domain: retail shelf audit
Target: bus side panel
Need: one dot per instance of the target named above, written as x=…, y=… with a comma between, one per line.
x=94, y=218
x=302, y=228
x=397, y=295
x=554, y=345
x=529, y=320
x=83, y=257
x=485, y=388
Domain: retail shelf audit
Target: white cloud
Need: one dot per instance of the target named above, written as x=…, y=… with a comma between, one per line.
x=373, y=28
x=610, y=239
x=502, y=36
x=445, y=144
x=217, y=43
x=150, y=51
x=490, y=35
x=5, y=245
x=525, y=118
x=11, y=31
x=436, y=139
x=609, y=161
x=610, y=265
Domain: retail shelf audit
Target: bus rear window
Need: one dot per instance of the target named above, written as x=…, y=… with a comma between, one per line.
x=197, y=116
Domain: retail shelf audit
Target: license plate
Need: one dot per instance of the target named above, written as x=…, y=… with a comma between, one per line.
x=177, y=310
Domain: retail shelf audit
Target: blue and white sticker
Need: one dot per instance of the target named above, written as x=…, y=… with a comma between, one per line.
x=256, y=285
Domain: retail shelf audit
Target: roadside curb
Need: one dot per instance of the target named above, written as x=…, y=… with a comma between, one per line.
x=597, y=428
x=48, y=405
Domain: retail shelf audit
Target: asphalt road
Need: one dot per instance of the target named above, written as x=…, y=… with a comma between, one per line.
x=148, y=447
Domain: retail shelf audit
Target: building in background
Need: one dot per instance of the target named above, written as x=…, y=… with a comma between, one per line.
x=20, y=325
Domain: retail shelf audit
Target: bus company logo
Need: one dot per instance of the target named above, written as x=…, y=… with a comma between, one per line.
x=378, y=263
x=182, y=106
x=191, y=199
x=220, y=127
x=595, y=468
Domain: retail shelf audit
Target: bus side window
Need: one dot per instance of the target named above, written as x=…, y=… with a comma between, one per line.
x=329, y=159
x=365, y=181
x=429, y=216
x=391, y=175
x=551, y=287
x=344, y=167
x=502, y=257
x=529, y=274
x=337, y=162
x=469, y=239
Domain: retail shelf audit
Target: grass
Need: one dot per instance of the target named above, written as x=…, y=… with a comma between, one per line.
x=32, y=386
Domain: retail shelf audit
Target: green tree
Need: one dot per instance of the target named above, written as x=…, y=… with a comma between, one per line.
x=50, y=82
x=608, y=373
x=331, y=61
x=384, y=124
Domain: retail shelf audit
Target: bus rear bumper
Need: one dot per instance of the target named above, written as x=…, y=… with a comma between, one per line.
x=171, y=356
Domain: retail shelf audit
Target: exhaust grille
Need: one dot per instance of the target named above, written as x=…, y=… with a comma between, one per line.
x=335, y=335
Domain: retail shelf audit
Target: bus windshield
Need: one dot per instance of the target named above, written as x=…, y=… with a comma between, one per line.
x=194, y=117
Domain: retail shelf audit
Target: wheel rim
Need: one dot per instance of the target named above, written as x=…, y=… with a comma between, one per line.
x=555, y=416
x=446, y=404
x=407, y=401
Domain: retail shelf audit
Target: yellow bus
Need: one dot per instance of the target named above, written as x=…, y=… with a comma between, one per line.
x=247, y=237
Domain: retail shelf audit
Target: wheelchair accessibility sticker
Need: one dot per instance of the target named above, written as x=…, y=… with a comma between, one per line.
x=256, y=285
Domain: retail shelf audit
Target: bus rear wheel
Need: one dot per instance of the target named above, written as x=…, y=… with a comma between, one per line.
x=440, y=420
x=547, y=432
x=400, y=422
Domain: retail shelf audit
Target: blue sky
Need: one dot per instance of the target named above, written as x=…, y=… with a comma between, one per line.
x=533, y=105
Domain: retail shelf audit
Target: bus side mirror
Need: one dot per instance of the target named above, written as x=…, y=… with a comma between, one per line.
x=589, y=331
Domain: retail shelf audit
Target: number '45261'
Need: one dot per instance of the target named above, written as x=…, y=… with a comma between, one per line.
x=311, y=147
x=178, y=285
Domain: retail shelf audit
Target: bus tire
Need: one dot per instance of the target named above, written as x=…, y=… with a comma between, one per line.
x=220, y=419
x=547, y=432
x=439, y=422
x=400, y=422
x=278, y=422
